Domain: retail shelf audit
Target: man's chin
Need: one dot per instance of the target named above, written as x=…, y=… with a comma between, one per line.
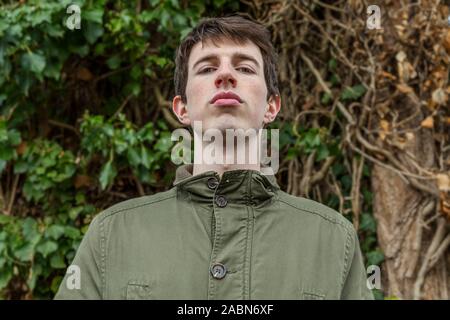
x=222, y=127
x=221, y=124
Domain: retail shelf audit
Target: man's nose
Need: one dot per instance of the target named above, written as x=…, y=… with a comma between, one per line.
x=225, y=78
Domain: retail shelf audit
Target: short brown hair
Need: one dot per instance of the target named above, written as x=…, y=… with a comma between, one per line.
x=236, y=28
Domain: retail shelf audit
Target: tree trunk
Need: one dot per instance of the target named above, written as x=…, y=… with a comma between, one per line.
x=411, y=230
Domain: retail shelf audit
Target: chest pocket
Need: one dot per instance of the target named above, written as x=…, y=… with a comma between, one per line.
x=311, y=294
x=137, y=290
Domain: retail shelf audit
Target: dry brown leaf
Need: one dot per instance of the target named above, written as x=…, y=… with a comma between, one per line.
x=400, y=56
x=405, y=69
x=21, y=148
x=446, y=208
x=439, y=96
x=84, y=74
x=389, y=75
x=309, y=103
x=427, y=122
x=384, y=125
x=383, y=109
x=443, y=181
x=431, y=105
x=404, y=88
x=409, y=136
x=446, y=41
x=82, y=181
x=399, y=142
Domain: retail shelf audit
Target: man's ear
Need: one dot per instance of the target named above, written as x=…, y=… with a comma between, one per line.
x=272, y=108
x=180, y=110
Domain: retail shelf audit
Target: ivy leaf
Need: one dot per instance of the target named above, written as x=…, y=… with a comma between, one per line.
x=81, y=50
x=133, y=157
x=47, y=247
x=33, y=62
x=322, y=152
x=39, y=17
x=368, y=222
x=353, y=93
x=164, y=143
x=14, y=137
x=6, y=153
x=326, y=98
x=53, y=70
x=107, y=174
x=133, y=88
x=71, y=232
x=29, y=228
x=145, y=157
x=56, y=282
x=374, y=257
x=74, y=212
x=57, y=261
x=5, y=276
x=92, y=31
x=95, y=15
x=113, y=62
x=36, y=272
x=25, y=252
x=31, y=236
x=332, y=64
x=55, y=231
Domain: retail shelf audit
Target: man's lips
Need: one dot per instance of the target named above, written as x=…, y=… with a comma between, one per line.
x=226, y=98
x=223, y=102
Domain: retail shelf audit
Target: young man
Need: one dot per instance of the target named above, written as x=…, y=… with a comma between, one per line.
x=224, y=231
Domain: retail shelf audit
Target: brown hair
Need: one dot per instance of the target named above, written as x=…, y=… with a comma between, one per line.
x=236, y=28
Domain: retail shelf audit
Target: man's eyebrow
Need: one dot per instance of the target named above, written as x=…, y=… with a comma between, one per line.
x=236, y=56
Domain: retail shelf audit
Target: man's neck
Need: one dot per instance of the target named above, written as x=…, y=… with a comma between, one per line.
x=250, y=163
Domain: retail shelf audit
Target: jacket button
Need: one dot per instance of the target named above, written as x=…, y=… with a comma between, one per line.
x=221, y=201
x=213, y=183
x=218, y=271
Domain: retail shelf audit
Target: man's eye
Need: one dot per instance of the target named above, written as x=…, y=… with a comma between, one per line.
x=246, y=70
x=205, y=70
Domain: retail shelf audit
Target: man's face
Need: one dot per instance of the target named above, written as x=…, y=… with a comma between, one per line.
x=226, y=68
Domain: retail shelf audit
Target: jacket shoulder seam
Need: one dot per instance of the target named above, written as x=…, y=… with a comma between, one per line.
x=325, y=217
x=111, y=212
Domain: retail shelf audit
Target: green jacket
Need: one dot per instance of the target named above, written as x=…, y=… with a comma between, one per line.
x=238, y=237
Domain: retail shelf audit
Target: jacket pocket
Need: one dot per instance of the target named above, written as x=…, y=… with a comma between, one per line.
x=138, y=291
x=308, y=293
x=311, y=296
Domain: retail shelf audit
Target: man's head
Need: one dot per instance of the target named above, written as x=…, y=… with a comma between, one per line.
x=226, y=55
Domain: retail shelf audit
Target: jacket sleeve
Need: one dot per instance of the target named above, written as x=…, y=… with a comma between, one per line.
x=84, y=276
x=355, y=282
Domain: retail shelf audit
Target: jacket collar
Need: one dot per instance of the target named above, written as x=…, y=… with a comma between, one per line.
x=239, y=186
